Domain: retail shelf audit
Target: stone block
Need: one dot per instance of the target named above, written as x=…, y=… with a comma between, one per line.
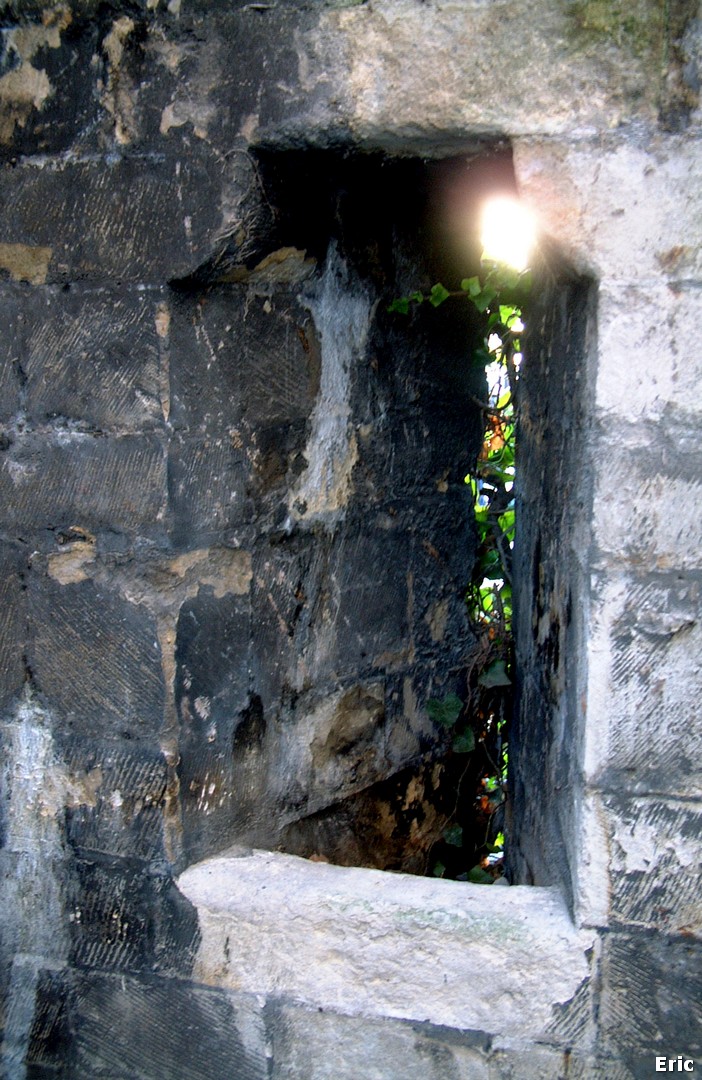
x=621, y=211
x=381, y=945
x=596, y=63
x=282, y=594
x=96, y=659
x=70, y=480
x=13, y=623
x=127, y=915
x=651, y=994
x=95, y=357
x=207, y=491
x=33, y=889
x=47, y=84
x=655, y=330
x=133, y=219
x=11, y=356
x=128, y=1027
x=213, y=696
x=371, y=616
x=241, y=362
x=324, y=1045
x=643, y=683
x=114, y=796
x=38, y=1037
x=529, y=1062
x=654, y=469
x=655, y=862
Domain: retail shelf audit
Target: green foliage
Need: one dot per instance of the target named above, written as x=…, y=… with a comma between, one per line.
x=479, y=724
x=438, y=294
x=445, y=712
x=495, y=675
x=464, y=743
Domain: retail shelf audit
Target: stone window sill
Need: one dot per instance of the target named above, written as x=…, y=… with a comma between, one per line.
x=366, y=942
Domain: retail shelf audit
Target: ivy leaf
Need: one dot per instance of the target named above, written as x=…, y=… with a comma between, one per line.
x=471, y=285
x=484, y=298
x=445, y=712
x=495, y=675
x=439, y=869
x=454, y=835
x=438, y=294
x=479, y=876
x=400, y=306
x=464, y=743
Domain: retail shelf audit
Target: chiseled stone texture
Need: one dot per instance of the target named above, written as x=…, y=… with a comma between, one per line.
x=208, y=632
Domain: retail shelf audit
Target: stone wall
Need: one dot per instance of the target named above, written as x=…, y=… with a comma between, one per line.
x=235, y=536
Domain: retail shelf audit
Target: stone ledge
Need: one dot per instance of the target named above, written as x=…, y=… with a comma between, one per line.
x=364, y=942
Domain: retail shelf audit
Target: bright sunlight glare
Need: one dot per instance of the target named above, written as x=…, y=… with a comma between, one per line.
x=508, y=232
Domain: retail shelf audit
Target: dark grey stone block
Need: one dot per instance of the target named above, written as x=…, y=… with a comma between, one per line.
x=13, y=623
x=117, y=796
x=128, y=915
x=128, y=1027
x=68, y=112
x=13, y=306
x=94, y=356
x=651, y=995
x=207, y=491
x=125, y=218
x=212, y=692
x=70, y=479
x=96, y=660
x=240, y=363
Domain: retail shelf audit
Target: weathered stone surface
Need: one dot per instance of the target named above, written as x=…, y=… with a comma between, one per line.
x=206, y=491
x=127, y=1027
x=529, y=1063
x=11, y=354
x=655, y=863
x=402, y=946
x=652, y=475
x=595, y=63
x=114, y=797
x=646, y=196
x=654, y=326
x=272, y=538
x=47, y=83
x=652, y=989
x=127, y=915
x=170, y=213
x=322, y=1045
x=94, y=357
x=240, y=363
x=96, y=659
x=643, y=665
x=220, y=791
x=13, y=624
x=67, y=479
x=344, y=68
x=554, y=509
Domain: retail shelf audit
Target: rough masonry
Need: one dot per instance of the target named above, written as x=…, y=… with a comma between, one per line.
x=235, y=535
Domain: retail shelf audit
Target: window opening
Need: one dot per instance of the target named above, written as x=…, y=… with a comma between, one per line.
x=471, y=844
x=360, y=741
